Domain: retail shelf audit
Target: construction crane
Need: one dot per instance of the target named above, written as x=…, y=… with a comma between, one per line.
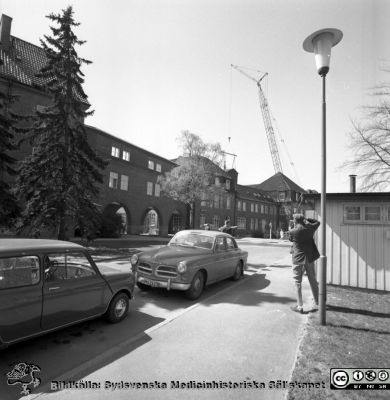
x=267, y=120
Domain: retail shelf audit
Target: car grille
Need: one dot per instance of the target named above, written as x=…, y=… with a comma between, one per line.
x=166, y=271
x=163, y=271
x=145, y=268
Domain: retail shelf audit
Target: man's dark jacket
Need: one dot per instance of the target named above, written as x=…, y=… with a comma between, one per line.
x=303, y=246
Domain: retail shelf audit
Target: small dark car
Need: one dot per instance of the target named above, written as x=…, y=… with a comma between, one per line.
x=191, y=260
x=49, y=284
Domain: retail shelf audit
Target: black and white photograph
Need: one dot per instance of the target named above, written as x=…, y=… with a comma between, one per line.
x=194, y=199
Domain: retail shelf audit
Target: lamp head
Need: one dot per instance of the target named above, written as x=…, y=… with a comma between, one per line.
x=320, y=43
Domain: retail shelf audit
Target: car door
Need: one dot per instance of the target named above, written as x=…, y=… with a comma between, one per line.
x=73, y=290
x=233, y=255
x=221, y=262
x=20, y=297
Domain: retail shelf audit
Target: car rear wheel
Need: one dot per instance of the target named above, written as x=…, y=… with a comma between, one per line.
x=196, y=287
x=119, y=306
x=142, y=286
x=238, y=271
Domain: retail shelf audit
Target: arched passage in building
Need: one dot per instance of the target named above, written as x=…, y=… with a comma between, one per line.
x=151, y=222
x=116, y=212
x=175, y=223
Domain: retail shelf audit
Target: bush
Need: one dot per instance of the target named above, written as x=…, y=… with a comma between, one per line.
x=110, y=226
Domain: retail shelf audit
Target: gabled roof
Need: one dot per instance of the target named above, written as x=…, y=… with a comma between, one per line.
x=254, y=194
x=22, y=62
x=278, y=182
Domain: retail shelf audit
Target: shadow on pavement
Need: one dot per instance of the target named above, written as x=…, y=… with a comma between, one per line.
x=74, y=352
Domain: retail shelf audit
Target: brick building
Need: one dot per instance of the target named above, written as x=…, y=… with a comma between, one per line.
x=285, y=192
x=130, y=186
x=130, y=179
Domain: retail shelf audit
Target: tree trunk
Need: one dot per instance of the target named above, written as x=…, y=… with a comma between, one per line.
x=192, y=215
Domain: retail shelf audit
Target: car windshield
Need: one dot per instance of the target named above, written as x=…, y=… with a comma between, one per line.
x=191, y=239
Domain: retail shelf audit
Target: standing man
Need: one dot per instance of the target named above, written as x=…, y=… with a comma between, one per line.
x=304, y=253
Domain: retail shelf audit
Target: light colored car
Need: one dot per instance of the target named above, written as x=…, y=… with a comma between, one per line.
x=191, y=260
x=49, y=284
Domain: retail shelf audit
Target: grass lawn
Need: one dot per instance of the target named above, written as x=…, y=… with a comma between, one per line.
x=357, y=335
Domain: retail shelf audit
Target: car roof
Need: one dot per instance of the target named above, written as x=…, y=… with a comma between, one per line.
x=205, y=232
x=12, y=245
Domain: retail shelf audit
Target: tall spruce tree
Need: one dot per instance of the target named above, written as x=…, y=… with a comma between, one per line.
x=58, y=181
x=8, y=205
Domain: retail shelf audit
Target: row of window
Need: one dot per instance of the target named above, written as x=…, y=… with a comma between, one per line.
x=123, y=184
x=116, y=152
x=217, y=201
x=367, y=213
x=254, y=223
x=254, y=208
x=282, y=196
x=25, y=271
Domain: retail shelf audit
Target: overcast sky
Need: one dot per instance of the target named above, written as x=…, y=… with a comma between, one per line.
x=160, y=67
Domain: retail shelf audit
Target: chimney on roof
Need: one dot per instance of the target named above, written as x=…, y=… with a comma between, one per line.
x=5, y=31
x=352, y=183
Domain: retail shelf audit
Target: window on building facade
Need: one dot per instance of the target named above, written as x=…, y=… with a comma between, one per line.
x=217, y=181
x=158, y=167
x=113, y=182
x=203, y=200
x=216, y=200
x=157, y=189
x=367, y=213
x=256, y=224
x=282, y=196
x=352, y=213
x=124, y=182
x=262, y=209
x=243, y=206
x=149, y=188
x=239, y=205
x=372, y=213
x=252, y=207
x=126, y=155
x=115, y=152
x=151, y=164
x=252, y=224
x=228, y=202
x=227, y=184
x=241, y=223
x=215, y=221
x=256, y=208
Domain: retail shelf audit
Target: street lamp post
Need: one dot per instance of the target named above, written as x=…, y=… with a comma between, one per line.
x=320, y=43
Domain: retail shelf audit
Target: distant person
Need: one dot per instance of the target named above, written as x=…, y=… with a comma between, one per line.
x=226, y=226
x=304, y=253
x=207, y=227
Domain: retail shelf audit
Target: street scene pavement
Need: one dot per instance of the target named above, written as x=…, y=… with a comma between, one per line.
x=241, y=337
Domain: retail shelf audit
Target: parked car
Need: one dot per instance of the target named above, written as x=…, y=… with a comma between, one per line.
x=191, y=260
x=49, y=284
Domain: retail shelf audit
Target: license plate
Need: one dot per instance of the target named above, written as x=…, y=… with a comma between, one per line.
x=148, y=282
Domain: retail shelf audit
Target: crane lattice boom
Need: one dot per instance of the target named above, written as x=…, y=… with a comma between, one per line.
x=267, y=120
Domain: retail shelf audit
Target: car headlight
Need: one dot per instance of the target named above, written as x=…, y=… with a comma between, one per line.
x=181, y=267
x=134, y=259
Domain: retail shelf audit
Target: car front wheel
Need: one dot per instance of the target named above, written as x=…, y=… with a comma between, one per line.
x=196, y=287
x=119, y=306
x=238, y=271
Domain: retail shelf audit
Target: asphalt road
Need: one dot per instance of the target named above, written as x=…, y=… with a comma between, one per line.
x=238, y=333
